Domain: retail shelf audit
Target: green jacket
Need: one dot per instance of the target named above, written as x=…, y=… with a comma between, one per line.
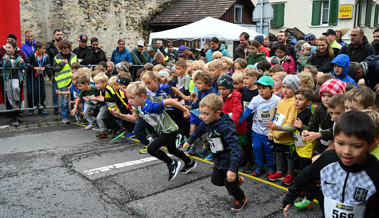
x=7, y=71
x=138, y=58
x=251, y=60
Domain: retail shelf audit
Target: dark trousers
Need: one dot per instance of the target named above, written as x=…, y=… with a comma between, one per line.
x=140, y=131
x=35, y=87
x=183, y=123
x=168, y=140
x=219, y=179
x=248, y=149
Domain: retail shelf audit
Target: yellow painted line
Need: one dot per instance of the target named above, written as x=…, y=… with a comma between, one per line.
x=209, y=162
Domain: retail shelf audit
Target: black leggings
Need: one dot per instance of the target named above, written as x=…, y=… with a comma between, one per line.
x=168, y=140
x=219, y=179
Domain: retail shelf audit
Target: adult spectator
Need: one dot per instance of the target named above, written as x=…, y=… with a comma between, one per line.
x=121, y=53
x=310, y=38
x=216, y=46
x=283, y=38
x=359, y=48
x=331, y=35
x=375, y=43
x=242, y=49
x=52, y=51
x=83, y=52
x=11, y=37
x=262, y=48
x=266, y=43
x=323, y=56
x=29, y=46
x=339, y=35
x=151, y=51
x=98, y=54
x=371, y=70
x=139, y=55
x=160, y=47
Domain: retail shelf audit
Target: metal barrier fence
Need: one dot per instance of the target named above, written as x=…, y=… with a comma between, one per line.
x=33, y=88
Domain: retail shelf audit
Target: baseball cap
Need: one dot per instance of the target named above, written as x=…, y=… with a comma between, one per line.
x=83, y=38
x=309, y=37
x=266, y=81
x=182, y=48
x=330, y=32
x=141, y=43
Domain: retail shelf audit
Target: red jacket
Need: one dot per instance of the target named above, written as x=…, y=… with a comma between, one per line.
x=233, y=107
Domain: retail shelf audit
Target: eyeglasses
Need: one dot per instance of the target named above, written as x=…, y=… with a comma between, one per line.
x=353, y=35
x=65, y=48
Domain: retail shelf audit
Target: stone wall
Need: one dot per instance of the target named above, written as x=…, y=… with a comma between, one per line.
x=108, y=20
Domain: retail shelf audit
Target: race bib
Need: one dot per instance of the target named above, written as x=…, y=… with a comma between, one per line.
x=265, y=116
x=245, y=104
x=278, y=119
x=337, y=209
x=298, y=140
x=215, y=145
x=111, y=104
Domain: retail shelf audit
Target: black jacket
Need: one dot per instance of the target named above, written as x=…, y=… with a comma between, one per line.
x=84, y=54
x=239, y=52
x=322, y=62
x=360, y=53
x=31, y=62
x=97, y=57
x=52, y=51
x=372, y=72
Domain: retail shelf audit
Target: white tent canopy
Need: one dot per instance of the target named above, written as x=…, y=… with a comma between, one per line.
x=204, y=29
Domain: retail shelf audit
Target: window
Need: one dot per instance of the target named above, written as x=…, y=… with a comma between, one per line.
x=238, y=13
x=368, y=13
x=278, y=19
x=325, y=12
x=376, y=15
x=364, y=13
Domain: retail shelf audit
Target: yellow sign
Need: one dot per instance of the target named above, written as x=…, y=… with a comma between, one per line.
x=345, y=11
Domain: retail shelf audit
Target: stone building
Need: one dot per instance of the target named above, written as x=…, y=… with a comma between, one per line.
x=108, y=20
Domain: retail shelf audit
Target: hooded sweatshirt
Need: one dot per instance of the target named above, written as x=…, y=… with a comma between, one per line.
x=343, y=61
x=119, y=56
x=233, y=107
x=221, y=49
x=28, y=48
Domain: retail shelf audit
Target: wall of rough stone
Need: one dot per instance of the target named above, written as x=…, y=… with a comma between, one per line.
x=108, y=20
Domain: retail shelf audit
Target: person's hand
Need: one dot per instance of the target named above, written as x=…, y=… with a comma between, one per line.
x=115, y=112
x=186, y=114
x=312, y=136
x=21, y=60
x=185, y=146
x=270, y=137
x=85, y=98
x=272, y=126
x=285, y=209
x=297, y=123
x=187, y=98
x=72, y=102
x=315, y=157
x=65, y=61
x=7, y=58
x=100, y=98
x=57, y=92
x=231, y=176
x=73, y=111
x=42, y=68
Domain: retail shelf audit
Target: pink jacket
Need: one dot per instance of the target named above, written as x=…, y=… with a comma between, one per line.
x=288, y=63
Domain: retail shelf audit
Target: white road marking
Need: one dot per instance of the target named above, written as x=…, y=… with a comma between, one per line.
x=120, y=165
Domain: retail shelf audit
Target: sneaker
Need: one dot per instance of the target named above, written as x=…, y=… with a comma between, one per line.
x=30, y=113
x=130, y=135
x=209, y=157
x=192, y=150
x=14, y=121
x=288, y=180
x=203, y=152
x=173, y=170
x=65, y=121
x=102, y=135
x=96, y=128
x=42, y=111
x=189, y=167
x=117, y=135
x=240, y=181
x=275, y=177
x=258, y=171
x=89, y=127
x=143, y=150
x=238, y=205
x=248, y=168
x=180, y=139
x=304, y=204
x=56, y=111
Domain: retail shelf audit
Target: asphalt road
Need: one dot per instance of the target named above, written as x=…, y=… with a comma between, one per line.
x=52, y=170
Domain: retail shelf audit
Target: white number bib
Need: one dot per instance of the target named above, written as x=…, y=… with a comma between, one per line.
x=336, y=209
x=298, y=140
x=111, y=104
x=215, y=145
x=279, y=118
x=265, y=116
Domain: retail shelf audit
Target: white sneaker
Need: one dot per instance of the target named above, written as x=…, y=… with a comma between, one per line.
x=89, y=127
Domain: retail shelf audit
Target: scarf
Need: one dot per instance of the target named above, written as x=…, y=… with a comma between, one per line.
x=40, y=62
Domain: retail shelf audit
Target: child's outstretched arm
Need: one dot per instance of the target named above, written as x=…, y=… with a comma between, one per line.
x=176, y=104
x=199, y=131
x=77, y=102
x=244, y=115
x=178, y=92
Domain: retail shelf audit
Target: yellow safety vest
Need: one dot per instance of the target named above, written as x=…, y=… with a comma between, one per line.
x=63, y=77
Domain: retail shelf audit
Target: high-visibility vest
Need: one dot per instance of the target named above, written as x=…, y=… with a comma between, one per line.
x=63, y=77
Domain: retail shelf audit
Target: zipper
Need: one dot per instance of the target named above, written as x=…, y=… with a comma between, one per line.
x=344, y=186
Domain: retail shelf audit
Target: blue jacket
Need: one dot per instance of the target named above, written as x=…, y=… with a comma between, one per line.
x=225, y=129
x=7, y=71
x=28, y=48
x=221, y=49
x=124, y=55
x=343, y=61
x=201, y=95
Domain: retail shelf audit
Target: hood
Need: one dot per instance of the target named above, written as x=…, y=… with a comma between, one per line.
x=30, y=43
x=343, y=61
x=220, y=49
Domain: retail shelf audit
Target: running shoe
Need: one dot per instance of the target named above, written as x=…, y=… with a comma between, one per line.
x=248, y=168
x=209, y=157
x=304, y=204
x=203, y=152
x=240, y=180
x=258, y=171
x=143, y=150
x=173, y=170
x=288, y=180
x=65, y=121
x=238, y=205
x=180, y=139
x=189, y=167
x=102, y=135
x=276, y=176
x=192, y=150
x=89, y=127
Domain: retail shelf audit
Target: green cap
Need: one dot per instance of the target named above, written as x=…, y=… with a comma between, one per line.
x=266, y=81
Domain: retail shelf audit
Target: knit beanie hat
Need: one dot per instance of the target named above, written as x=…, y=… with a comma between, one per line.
x=293, y=81
x=333, y=86
x=122, y=67
x=12, y=36
x=260, y=39
x=226, y=81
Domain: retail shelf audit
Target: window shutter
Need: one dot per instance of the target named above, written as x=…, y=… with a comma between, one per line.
x=368, y=13
x=333, y=12
x=316, y=12
x=278, y=20
x=376, y=15
x=359, y=13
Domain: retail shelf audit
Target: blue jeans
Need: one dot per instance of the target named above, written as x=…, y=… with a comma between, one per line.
x=64, y=104
x=262, y=146
x=55, y=96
